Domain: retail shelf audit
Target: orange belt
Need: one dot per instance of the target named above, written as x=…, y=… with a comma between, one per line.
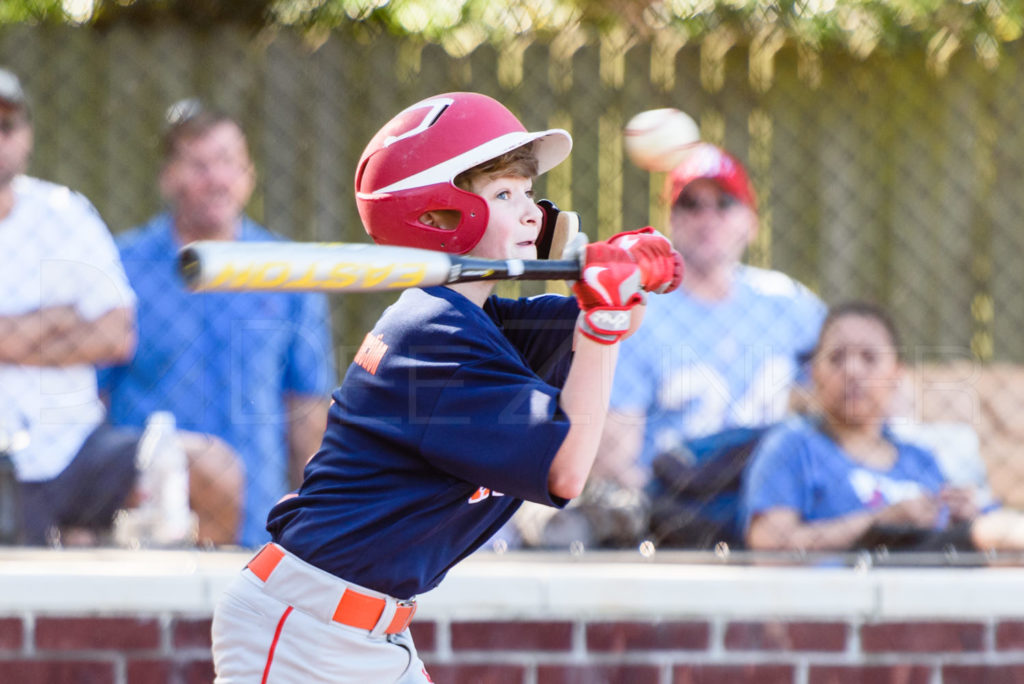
x=354, y=609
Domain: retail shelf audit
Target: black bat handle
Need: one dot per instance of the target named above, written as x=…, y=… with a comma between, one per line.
x=467, y=269
x=189, y=266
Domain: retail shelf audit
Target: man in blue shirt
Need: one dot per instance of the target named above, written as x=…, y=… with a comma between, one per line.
x=725, y=348
x=250, y=372
x=722, y=351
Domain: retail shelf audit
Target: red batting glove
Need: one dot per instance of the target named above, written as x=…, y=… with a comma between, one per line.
x=608, y=288
x=660, y=263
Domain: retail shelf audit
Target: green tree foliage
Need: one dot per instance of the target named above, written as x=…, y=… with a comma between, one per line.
x=860, y=27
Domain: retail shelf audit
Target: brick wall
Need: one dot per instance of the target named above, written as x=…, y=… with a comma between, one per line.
x=167, y=649
x=105, y=649
x=509, y=622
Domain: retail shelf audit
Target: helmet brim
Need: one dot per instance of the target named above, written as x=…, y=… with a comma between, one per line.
x=552, y=147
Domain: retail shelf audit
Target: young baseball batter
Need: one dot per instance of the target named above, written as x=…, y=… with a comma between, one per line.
x=457, y=406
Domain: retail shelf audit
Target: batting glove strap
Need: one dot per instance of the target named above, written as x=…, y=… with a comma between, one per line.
x=606, y=326
x=660, y=263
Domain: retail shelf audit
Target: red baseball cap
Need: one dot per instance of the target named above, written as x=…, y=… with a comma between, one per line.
x=708, y=161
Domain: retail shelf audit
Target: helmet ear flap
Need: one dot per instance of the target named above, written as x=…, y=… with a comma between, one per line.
x=401, y=211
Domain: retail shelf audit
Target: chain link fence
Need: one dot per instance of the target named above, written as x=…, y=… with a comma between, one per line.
x=877, y=178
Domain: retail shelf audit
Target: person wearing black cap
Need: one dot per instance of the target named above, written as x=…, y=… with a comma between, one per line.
x=65, y=305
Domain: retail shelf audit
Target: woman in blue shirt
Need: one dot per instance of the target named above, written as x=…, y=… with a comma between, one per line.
x=834, y=481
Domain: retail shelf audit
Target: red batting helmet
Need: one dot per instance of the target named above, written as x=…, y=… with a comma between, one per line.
x=408, y=168
x=708, y=161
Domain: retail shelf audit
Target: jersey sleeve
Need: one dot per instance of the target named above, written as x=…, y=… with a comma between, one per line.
x=310, y=367
x=126, y=246
x=541, y=329
x=498, y=427
x=107, y=377
x=775, y=476
x=95, y=269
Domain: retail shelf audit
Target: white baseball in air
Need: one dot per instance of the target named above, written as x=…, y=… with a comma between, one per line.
x=659, y=139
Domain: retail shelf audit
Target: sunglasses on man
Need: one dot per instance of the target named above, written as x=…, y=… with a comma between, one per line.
x=690, y=204
x=11, y=123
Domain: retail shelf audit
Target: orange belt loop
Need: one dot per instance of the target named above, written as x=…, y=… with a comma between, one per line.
x=265, y=561
x=403, y=616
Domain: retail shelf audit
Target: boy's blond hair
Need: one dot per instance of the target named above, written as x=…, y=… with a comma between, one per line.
x=520, y=162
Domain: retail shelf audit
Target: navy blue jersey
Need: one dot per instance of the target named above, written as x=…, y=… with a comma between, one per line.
x=446, y=420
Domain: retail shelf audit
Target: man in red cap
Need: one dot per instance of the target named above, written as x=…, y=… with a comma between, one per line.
x=713, y=217
x=722, y=351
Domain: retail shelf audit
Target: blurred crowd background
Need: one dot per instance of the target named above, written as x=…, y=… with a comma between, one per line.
x=883, y=139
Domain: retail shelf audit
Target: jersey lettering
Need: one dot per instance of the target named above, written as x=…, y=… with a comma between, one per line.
x=709, y=403
x=876, y=490
x=482, y=493
x=370, y=353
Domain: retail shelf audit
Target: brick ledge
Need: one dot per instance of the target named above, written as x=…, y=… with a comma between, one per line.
x=529, y=585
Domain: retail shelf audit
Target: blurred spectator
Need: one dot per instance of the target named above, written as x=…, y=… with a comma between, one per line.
x=64, y=306
x=720, y=352
x=250, y=373
x=724, y=349
x=842, y=479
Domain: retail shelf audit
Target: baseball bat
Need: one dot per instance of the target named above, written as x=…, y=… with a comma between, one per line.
x=231, y=266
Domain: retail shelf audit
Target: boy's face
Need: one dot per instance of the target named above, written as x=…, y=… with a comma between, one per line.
x=515, y=219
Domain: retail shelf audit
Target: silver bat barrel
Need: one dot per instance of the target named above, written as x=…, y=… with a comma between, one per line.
x=230, y=266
